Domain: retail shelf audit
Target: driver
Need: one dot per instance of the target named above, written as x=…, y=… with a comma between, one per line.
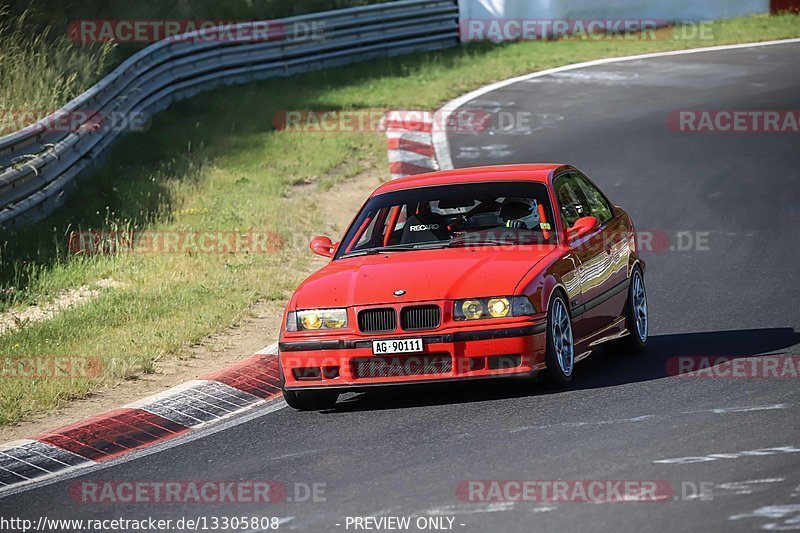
x=519, y=213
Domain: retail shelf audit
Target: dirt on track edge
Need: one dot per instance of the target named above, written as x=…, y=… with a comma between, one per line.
x=257, y=328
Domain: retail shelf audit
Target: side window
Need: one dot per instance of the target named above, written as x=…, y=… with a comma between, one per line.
x=571, y=199
x=366, y=235
x=598, y=206
x=578, y=198
x=372, y=232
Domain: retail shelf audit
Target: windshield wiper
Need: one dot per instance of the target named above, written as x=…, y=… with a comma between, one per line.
x=396, y=248
x=470, y=242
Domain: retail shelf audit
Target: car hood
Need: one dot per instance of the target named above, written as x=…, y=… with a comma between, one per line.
x=441, y=274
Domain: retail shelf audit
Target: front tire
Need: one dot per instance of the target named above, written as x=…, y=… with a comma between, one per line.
x=310, y=400
x=636, y=315
x=560, y=354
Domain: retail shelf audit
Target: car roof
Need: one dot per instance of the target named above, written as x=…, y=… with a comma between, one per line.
x=529, y=172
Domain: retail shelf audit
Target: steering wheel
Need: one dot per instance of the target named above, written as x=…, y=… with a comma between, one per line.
x=463, y=219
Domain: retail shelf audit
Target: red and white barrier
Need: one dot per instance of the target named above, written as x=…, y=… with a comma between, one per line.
x=409, y=137
x=251, y=382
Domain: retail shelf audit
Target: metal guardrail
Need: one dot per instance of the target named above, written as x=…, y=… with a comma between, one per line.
x=39, y=164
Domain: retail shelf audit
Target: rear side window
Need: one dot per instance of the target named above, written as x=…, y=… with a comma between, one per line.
x=578, y=198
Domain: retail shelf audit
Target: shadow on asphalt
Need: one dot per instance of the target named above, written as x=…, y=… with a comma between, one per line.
x=603, y=368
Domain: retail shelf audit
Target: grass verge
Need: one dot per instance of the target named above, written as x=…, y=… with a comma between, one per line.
x=41, y=71
x=215, y=163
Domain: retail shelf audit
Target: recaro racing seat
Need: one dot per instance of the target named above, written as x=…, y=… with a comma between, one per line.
x=425, y=226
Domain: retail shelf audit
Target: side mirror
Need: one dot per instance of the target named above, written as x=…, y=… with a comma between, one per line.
x=582, y=227
x=322, y=245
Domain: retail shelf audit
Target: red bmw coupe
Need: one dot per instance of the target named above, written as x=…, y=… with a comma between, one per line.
x=474, y=273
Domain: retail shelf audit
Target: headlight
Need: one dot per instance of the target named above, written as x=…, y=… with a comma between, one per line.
x=314, y=319
x=470, y=309
x=499, y=307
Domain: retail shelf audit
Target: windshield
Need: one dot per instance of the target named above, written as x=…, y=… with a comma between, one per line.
x=495, y=213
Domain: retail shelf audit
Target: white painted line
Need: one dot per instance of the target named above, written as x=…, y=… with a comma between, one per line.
x=646, y=418
x=542, y=509
x=281, y=521
x=494, y=507
x=745, y=409
x=442, y=146
x=775, y=512
x=746, y=487
x=730, y=455
x=642, y=418
x=294, y=455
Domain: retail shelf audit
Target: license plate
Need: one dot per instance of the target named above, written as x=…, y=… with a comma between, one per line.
x=396, y=346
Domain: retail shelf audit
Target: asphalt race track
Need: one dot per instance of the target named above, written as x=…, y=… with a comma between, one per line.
x=403, y=452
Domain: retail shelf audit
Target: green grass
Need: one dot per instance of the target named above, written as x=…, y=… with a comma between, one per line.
x=40, y=52
x=215, y=163
x=42, y=71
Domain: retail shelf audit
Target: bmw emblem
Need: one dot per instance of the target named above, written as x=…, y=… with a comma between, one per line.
x=399, y=292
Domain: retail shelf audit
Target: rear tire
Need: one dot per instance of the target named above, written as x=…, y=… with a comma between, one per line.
x=560, y=354
x=310, y=400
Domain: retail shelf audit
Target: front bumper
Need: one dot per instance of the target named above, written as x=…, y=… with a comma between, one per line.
x=348, y=363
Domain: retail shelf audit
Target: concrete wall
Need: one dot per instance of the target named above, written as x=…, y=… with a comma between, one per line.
x=673, y=10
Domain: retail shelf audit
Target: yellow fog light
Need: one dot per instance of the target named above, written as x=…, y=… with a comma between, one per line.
x=499, y=307
x=311, y=321
x=472, y=309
